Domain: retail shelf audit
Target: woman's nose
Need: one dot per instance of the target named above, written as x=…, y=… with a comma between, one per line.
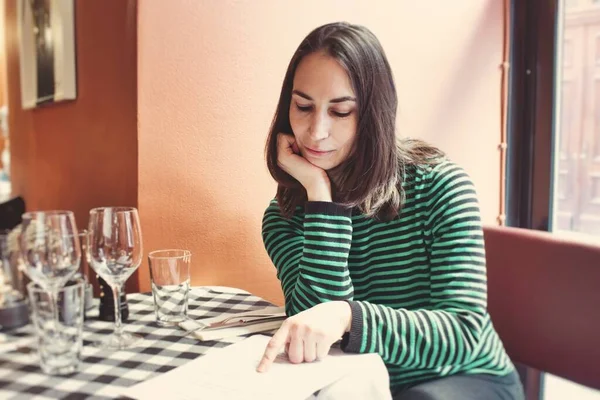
x=319, y=128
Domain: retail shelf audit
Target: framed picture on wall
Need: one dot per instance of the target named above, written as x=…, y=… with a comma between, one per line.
x=47, y=51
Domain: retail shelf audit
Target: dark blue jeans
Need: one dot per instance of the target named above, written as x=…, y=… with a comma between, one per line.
x=466, y=387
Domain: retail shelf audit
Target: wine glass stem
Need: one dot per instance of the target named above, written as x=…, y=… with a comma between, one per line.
x=117, y=299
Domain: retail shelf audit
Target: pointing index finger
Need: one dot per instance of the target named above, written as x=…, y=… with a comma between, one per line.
x=274, y=347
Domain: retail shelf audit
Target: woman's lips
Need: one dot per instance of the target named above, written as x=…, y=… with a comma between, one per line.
x=318, y=153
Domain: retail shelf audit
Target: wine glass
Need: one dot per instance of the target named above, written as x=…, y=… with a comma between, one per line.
x=49, y=245
x=115, y=252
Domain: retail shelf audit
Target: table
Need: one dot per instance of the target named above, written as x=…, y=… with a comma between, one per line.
x=104, y=374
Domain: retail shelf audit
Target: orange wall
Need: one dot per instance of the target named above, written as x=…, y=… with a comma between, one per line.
x=2, y=61
x=81, y=154
x=3, y=82
x=209, y=78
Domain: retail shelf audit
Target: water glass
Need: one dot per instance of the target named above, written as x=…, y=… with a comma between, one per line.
x=170, y=278
x=11, y=279
x=84, y=243
x=60, y=338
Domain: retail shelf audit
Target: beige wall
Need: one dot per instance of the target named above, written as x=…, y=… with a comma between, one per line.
x=80, y=154
x=209, y=76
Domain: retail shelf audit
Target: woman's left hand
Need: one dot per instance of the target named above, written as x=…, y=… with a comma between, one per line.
x=308, y=336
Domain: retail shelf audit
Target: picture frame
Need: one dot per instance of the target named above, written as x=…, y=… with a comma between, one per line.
x=46, y=30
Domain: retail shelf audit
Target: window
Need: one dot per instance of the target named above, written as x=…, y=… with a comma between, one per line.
x=576, y=196
x=553, y=164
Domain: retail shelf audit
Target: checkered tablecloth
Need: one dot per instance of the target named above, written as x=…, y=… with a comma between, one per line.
x=104, y=374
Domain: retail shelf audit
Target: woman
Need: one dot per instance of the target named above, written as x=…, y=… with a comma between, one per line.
x=374, y=240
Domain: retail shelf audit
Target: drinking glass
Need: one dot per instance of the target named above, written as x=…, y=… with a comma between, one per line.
x=50, y=250
x=59, y=341
x=84, y=241
x=10, y=281
x=13, y=304
x=115, y=252
x=170, y=279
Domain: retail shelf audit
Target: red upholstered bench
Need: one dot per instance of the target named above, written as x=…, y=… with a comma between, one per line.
x=544, y=300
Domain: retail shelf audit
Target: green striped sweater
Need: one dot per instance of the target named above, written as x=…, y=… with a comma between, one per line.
x=416, y=285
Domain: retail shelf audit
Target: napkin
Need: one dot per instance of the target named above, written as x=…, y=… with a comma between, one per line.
x=224, y=332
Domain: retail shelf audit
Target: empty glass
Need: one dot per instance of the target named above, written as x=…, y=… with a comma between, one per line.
x=10, y=278
x=14, y=311
x=59, y=340
x=115, y=252
x=49, y=244
x=50, y=247
x=170, y=276
x=84, y=242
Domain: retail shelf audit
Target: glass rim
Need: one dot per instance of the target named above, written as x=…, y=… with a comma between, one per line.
x=49, y=213
x=155, y=254
x=122, y=209
x=33, y=287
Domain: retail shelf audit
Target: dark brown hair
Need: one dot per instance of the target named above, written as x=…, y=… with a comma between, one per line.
x=371, y=177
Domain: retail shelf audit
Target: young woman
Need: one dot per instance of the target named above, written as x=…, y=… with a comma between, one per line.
x=376, y=241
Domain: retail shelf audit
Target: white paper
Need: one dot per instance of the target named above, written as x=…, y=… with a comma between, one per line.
x=230, y=373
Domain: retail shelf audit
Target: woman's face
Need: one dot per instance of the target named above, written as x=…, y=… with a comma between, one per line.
x=323, y=111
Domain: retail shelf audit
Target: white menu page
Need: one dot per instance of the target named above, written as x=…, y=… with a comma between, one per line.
x=230, y=373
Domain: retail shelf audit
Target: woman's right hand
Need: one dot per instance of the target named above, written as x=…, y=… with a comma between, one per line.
x=314, y=179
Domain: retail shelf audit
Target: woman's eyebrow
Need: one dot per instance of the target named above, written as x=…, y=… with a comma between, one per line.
x=336, y=100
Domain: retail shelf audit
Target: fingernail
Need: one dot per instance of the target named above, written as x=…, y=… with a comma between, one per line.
x=264, y=368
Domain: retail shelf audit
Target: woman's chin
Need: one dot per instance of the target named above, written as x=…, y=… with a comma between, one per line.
x=321, y=164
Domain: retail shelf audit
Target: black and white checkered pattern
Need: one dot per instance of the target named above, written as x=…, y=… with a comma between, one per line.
x=103, y=374
x=170, y=299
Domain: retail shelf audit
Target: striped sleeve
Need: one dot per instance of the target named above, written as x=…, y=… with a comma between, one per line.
x=447, y=333
x=310, y=253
